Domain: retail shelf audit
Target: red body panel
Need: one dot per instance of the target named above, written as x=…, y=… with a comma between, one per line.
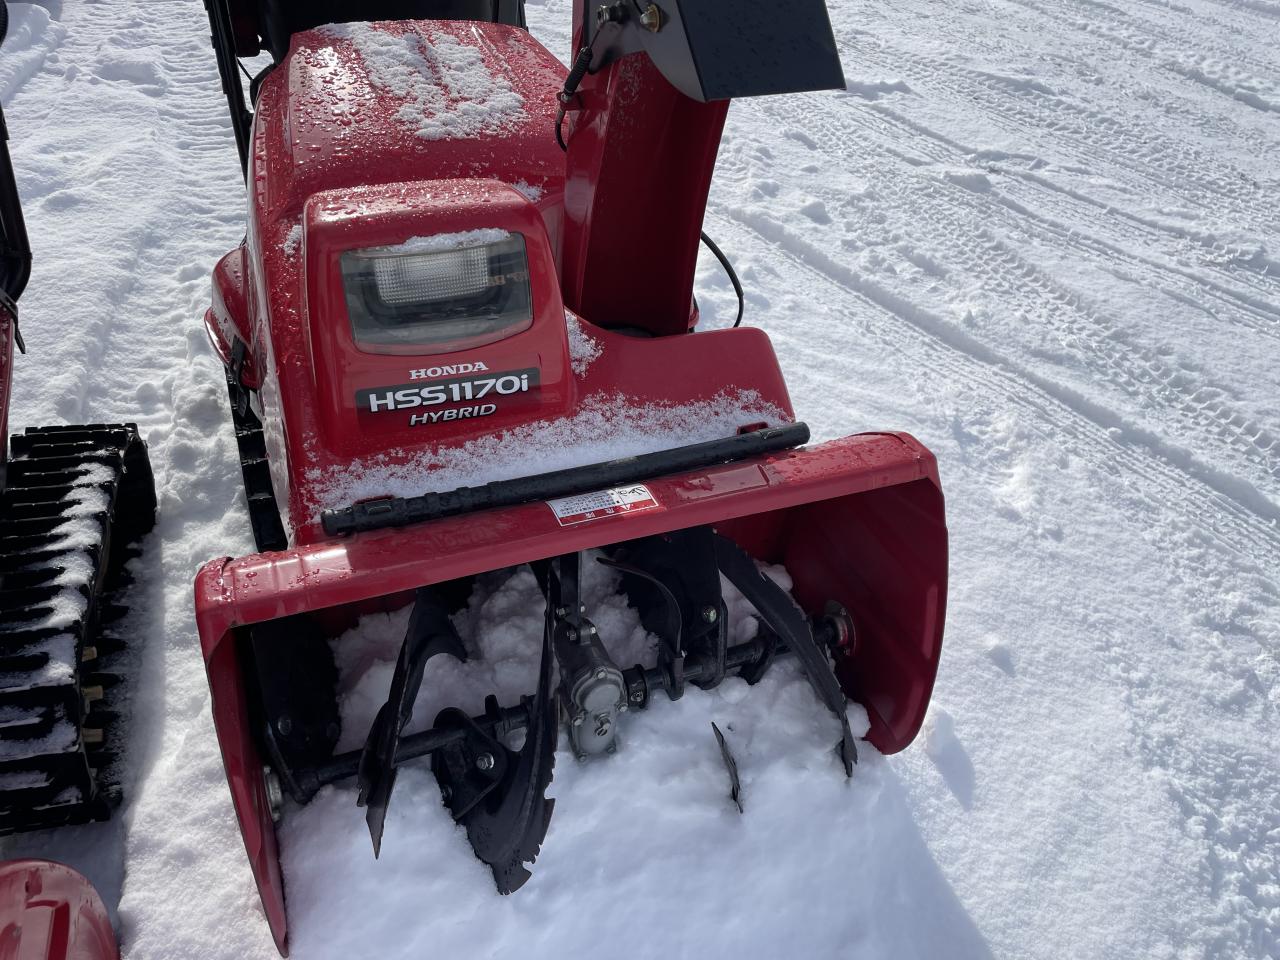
x=227, y=319
x=858, y=521
x=51, y=912
x=366, y=179
x=632, y=127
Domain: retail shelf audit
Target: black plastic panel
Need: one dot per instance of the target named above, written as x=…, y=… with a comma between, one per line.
x=718, y=50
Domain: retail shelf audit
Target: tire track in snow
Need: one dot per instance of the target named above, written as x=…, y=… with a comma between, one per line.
x=1099, y=341
x=1228, y=268
x=1196, y=65
x=1251, y=524
x=1160, y=38
x=1061, y=128
x=1241, y=282
x=1265, y=9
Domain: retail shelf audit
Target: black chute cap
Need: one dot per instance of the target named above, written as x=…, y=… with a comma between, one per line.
x=720, y=49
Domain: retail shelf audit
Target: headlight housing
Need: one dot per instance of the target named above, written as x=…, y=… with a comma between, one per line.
x=438, y=294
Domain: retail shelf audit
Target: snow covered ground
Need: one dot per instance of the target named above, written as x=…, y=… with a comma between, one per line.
x=1042, y=236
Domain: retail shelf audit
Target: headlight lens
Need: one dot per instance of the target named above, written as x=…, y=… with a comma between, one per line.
x=444, y=292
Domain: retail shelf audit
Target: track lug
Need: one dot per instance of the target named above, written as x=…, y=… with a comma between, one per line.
x=50, y=470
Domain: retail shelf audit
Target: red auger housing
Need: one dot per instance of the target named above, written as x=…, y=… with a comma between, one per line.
x=422, y=268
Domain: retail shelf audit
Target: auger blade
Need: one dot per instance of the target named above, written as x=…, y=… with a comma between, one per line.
x=730, y=764
x=430, y=631
x=497, y=793
x=781, y=614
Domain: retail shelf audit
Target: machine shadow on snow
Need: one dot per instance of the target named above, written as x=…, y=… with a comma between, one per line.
x=906, y=895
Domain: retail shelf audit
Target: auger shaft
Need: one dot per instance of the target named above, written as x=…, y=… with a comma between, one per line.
x=641, y=682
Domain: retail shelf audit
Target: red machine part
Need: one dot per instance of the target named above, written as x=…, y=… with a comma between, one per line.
x=632, y=127
x=319, y=187
x=334, y=222
x=51, y=912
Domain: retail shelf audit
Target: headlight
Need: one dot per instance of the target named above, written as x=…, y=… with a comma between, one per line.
x=444, y=292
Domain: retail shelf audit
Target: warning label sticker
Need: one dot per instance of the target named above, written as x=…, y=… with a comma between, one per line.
x=603, y=503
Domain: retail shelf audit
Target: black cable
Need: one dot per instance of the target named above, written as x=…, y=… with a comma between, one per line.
x=578, y=71
x=728, y=268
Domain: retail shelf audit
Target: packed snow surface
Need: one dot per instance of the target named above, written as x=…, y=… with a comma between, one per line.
x=1043, y=237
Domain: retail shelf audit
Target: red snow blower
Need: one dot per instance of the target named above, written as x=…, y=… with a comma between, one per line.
x=438, y=215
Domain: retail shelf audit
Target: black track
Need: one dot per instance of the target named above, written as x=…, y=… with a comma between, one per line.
x=264, y=512
x=55, y=716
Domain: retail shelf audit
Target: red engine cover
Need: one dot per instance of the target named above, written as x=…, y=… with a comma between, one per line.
x=362, y=141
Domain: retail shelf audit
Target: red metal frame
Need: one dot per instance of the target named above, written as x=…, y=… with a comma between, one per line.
x=51, y=912
x=859, y=521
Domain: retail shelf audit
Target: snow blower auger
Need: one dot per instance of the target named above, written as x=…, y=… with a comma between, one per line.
x=460, y=336
x=72, y=501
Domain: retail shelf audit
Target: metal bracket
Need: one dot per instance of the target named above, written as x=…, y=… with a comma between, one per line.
x=10, y=306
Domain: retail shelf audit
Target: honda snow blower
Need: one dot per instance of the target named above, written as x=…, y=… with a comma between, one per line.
x=439, y=217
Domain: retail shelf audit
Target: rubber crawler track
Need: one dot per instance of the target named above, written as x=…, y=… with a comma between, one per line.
x=74, y=499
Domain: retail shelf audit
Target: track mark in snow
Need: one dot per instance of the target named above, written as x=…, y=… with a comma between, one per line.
x=1232, y=261
x=135, y=67
x=1237, y=84
x=1033, y=112
x=1253, y=523
x=1085, y=344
